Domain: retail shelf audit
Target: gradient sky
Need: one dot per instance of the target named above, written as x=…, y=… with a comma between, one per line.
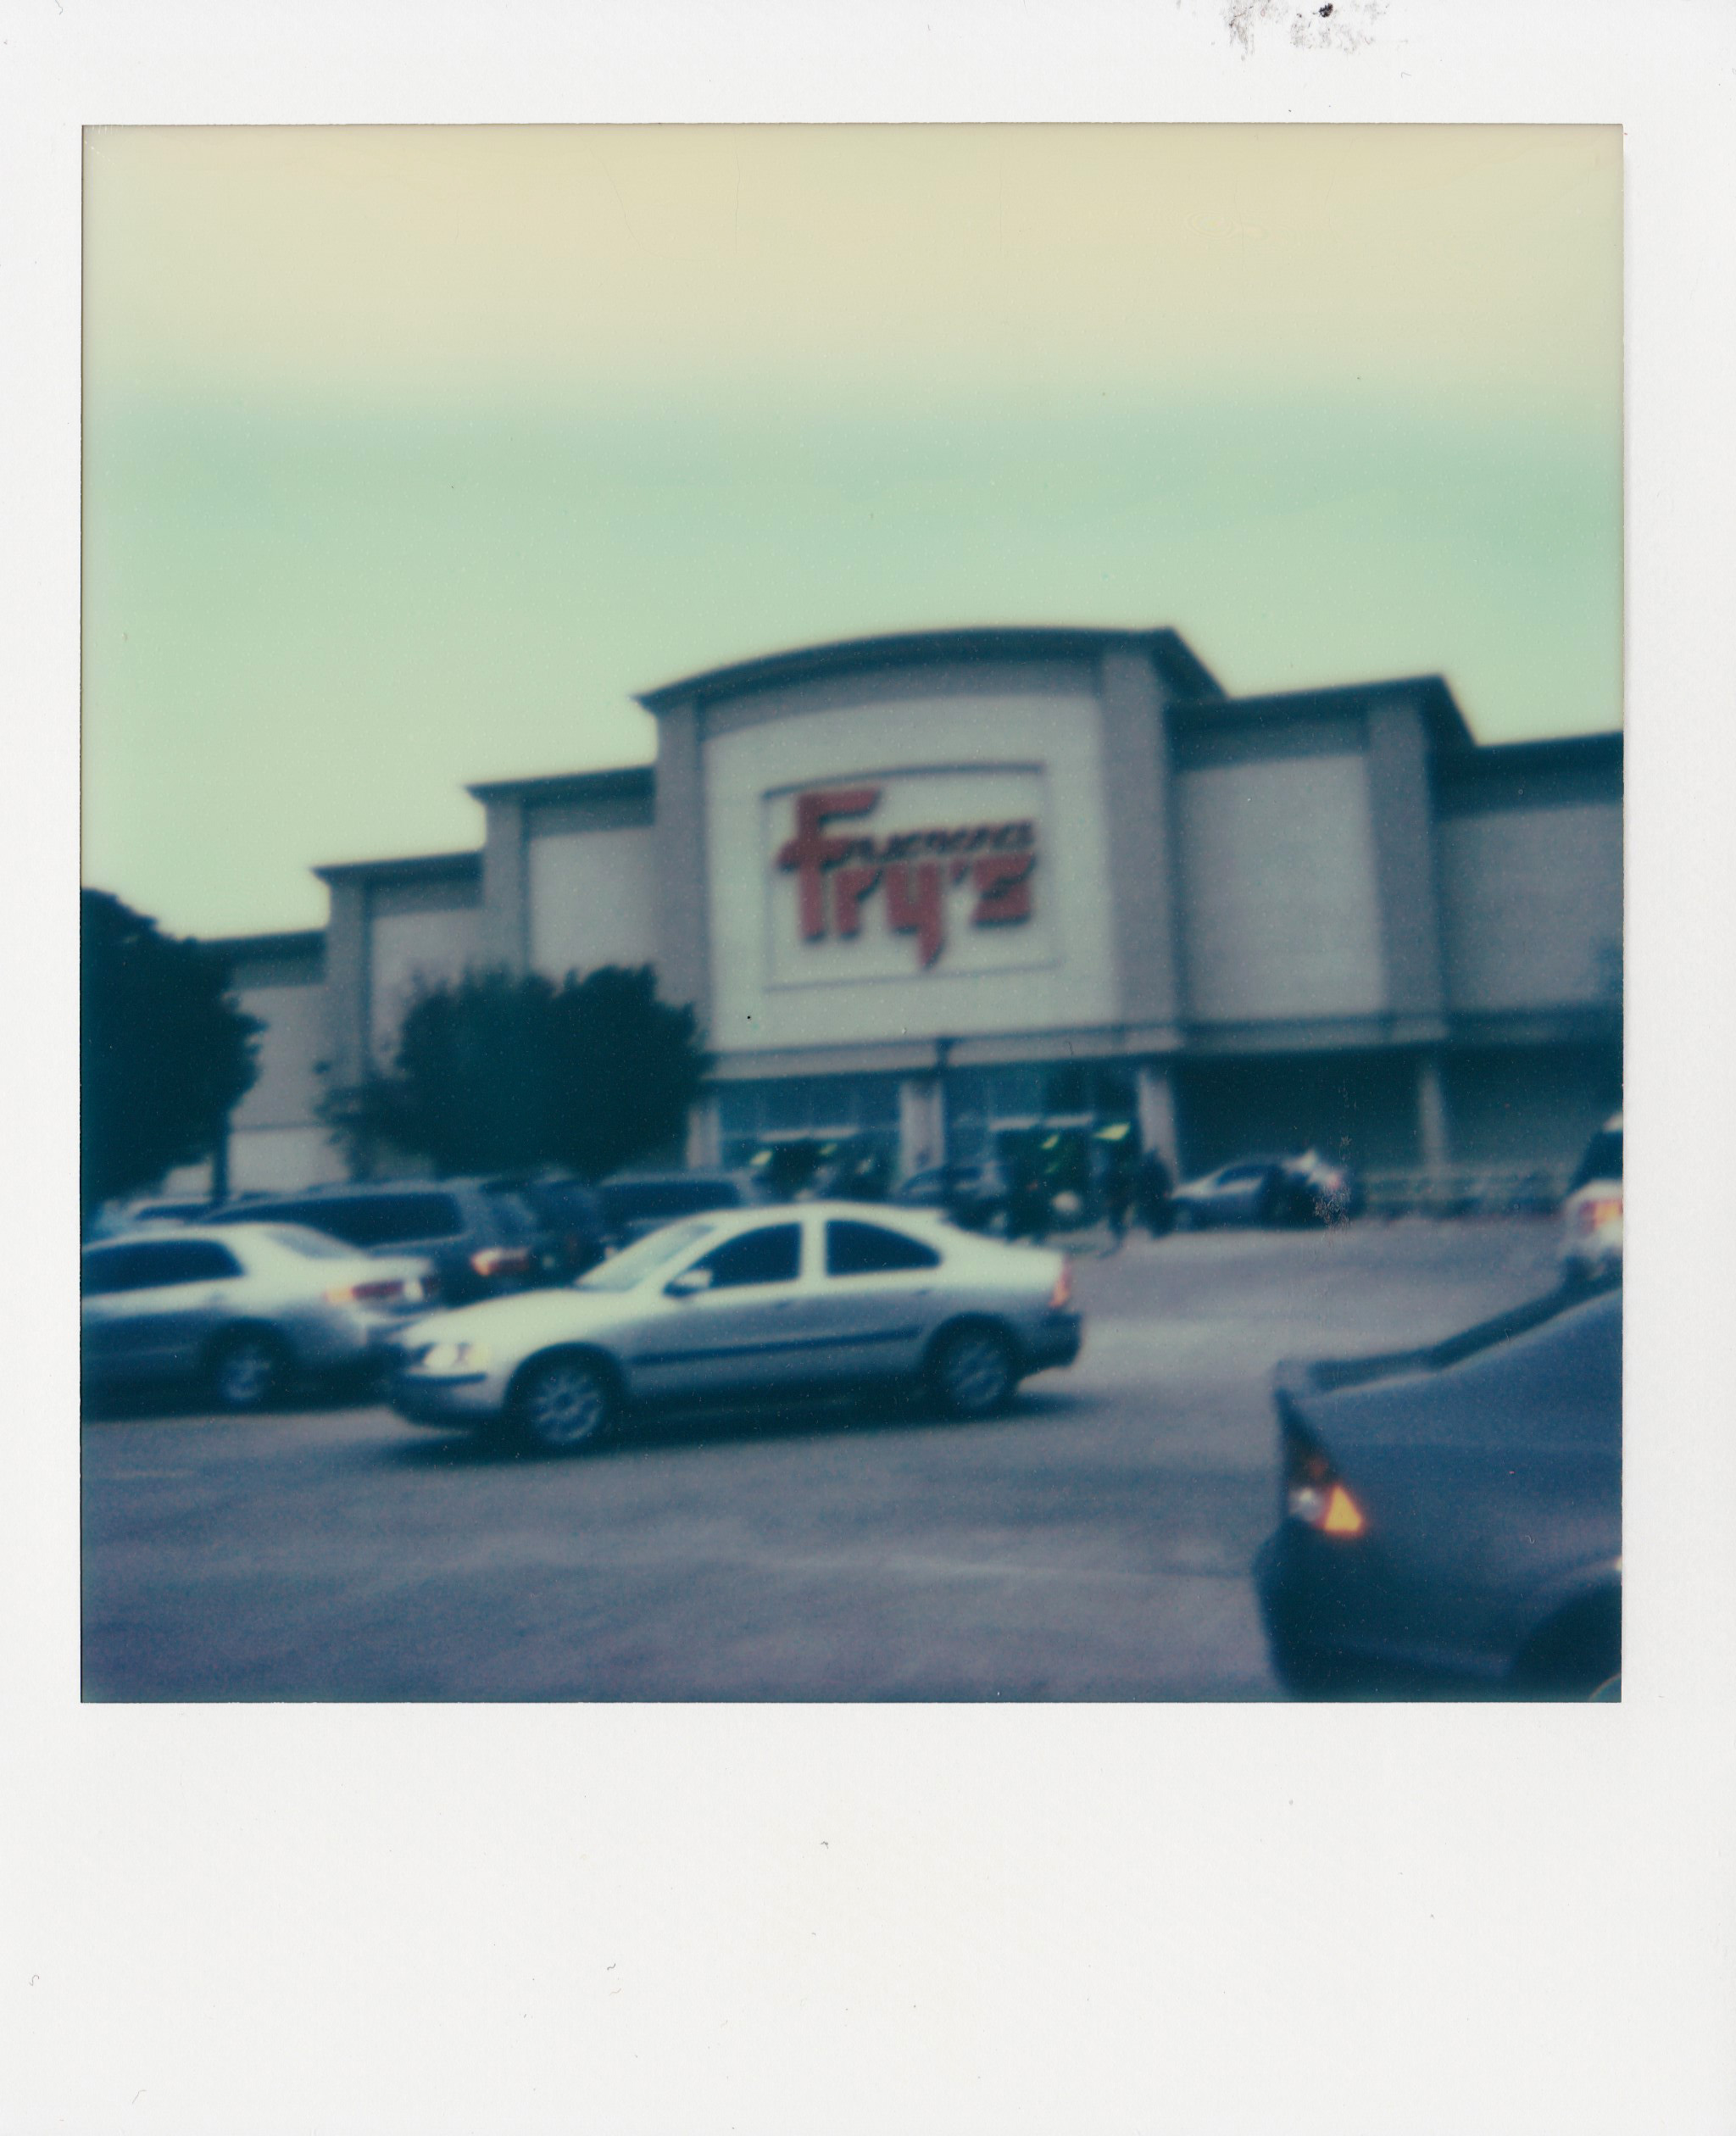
x=411, y=453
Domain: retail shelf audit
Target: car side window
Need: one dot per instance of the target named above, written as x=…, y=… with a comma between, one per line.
x=192, y=1261
x=771, y=1254
x=869, y=1249
x=108, y=1271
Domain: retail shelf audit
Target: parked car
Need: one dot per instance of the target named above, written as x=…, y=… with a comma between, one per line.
x=1268, y=1191
x=976, y=1196
x=1323, y=1191
x=246, y=1309
x=482, y=1238
x=570, y=1213
x=635, y=1203
x=743, y=1304
x=1453, y=1516
x=1591, y=1215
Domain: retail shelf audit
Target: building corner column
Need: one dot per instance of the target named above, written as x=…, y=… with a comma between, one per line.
x=505, y=930
x=348, y=1050
x=705, y=1139
x=1137, y=811
x=1401, y=818
x=922, y=1124
x=683, y=915
x=1434, y=1129
x=1155, y=1093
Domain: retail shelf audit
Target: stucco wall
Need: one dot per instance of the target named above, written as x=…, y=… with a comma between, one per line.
x=1280, y=912
x=592, y=900
x=1530, y=904
x=288, y=1050
x=281, y=1159
x=432, y=945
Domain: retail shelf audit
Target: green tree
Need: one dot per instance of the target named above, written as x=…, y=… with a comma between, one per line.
x=165, y=1052
x=497, y=1071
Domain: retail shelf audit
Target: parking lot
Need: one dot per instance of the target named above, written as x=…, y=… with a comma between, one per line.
x=1093, y=1543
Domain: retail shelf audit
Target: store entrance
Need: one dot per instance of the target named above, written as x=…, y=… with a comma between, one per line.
x=1065, y=1138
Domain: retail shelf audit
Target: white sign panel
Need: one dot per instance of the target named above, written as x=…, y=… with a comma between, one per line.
x=892, y=875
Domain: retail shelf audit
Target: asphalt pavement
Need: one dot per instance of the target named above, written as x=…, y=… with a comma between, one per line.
x=1093, y=1543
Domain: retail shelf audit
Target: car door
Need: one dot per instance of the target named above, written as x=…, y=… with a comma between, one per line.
x=175, y=1294
x=1239, y=1196
x=736, y=1335
x=877, y=1295
x=111, y=1336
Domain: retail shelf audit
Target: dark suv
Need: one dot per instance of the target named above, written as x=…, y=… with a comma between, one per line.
x=570, y=1214
x=481, y=1237
x=635, y=1203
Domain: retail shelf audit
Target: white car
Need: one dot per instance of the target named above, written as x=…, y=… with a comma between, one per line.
x=244, y=1308
x=743, y=1304
x=1591, y=1215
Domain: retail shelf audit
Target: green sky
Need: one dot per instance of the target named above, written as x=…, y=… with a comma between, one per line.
x=411, y=453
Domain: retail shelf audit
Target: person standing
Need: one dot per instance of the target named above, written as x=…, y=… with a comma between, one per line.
x=1117, y=1197
x=1152, y=1187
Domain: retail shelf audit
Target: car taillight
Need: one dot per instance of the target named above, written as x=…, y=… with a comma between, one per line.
x=1594, y=1215
x=1061, y=1296
x=1313, y=1492
x=504, y=1260
x=378, y=1292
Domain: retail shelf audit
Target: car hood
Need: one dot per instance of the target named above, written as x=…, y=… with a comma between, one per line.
x=526, y=1317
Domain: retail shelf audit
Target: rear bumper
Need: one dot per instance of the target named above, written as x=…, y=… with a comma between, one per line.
x=1057, y=1339
x=1331, y=1617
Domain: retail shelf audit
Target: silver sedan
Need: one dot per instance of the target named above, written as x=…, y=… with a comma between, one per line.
x=245, y=1308
x=748, y=1305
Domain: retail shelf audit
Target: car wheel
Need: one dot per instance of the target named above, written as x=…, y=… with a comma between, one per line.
x=972, y=1373
x=249, y=1370
x=564, y=1404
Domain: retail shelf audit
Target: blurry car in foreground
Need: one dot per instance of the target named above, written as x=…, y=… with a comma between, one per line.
x=1591, y=1215
x=635, y=1203
x=1451, y=1518
x=1306, y=1189
x=243, y=1309
x=481, y=1237
x=766, y=1303
x=976, y=1196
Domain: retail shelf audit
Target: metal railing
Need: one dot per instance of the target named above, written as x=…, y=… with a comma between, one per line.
x=1467, y=1190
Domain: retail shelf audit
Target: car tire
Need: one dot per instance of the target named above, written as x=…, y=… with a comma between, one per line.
x=972, y=1372
x=564, y=1404
x=247, y=1371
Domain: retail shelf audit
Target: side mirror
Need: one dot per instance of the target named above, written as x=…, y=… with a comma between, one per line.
x=689, y=1284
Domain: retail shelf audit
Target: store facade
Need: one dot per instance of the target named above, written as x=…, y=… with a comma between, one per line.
x=928, y=892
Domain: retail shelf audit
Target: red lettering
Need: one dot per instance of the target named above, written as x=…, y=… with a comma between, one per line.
x=1003, y=889
x=849, y=885
x=913, y=906
x=811, y=852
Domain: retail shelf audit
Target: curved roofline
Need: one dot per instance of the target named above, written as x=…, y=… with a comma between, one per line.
x=1186, y=674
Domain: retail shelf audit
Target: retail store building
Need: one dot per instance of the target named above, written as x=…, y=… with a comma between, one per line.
x=930, y=889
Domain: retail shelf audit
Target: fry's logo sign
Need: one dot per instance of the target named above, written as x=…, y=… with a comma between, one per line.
x=910, y=873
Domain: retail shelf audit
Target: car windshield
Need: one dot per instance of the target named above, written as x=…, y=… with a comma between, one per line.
x=1603, y=1160
x=628, y=1269
x=311, y=1244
